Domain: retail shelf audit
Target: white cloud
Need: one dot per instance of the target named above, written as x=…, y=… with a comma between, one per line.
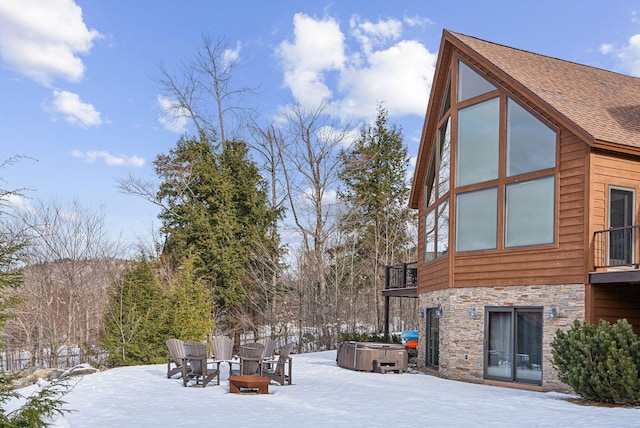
x=172, y=117
x=371, y=34
x=42, y=39
x=629, y=55
x=109, y=159
x=74, y=109
x=399, y=76
x=383, y=69
x=417, y=21
x=317, y=47
x=16, y=202
x=605, y=48
x=230, y=56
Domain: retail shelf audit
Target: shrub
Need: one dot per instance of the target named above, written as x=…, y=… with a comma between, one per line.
x=600, y=362
x=368, y=337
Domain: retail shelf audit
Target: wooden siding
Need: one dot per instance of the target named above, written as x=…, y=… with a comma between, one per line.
x=609, y=170
x=617, y=301
x=560, y=263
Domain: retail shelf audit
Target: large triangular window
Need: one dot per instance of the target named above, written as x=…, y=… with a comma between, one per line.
x=471, y=84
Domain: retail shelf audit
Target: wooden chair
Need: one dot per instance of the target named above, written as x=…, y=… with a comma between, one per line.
x=222, y=347
x=282, y=371
x=269, y=348
x=251, y=358
x=196, y=357
x=176, y=356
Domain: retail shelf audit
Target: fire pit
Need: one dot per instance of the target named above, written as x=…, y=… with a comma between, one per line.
x=238, y=384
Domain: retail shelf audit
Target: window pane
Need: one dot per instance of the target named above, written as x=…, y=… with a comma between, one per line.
x=531, y=145
x=530, y=212
x=500, y=345
x=470, y=83
x=430, y=183
x=446, y=101
x=429, y=236
x=476, y=220
x=621, y=207
x=445, y=155
x=529, y=346
x=478, y=141
x=442, y=232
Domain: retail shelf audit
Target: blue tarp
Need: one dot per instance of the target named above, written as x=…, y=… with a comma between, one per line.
x=409, y=335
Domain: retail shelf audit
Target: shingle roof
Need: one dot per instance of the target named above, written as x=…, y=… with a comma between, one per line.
x=604, y=104
x=599, y=106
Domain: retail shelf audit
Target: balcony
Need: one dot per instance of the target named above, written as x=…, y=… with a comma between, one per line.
x=401, y=280
x=616, y=255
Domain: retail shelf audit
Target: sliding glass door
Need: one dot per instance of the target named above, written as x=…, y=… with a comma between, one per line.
x=513, y=344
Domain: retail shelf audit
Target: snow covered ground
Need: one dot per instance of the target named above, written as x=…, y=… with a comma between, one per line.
x=323, y=395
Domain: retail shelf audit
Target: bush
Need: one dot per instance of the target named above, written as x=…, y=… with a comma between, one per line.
x=600, y=362
x=368, y=337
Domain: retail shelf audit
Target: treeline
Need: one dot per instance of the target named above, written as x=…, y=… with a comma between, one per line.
x=278, y=228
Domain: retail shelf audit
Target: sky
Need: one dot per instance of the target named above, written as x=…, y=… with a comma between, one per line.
x=322, y=395
x=80, y=103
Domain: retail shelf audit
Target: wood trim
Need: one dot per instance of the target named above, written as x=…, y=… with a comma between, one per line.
x=623, y=276
x=514, y=385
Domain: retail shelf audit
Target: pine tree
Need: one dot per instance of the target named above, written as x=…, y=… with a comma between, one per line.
x=374, y=173
x=600, y=362
x=135, y=327
x=217, y=212
x=189, y=306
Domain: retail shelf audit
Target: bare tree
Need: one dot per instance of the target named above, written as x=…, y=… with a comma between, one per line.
x=310, y=160
x=202, y=90
x=70, y=262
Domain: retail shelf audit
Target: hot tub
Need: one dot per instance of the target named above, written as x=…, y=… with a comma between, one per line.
x=372, y=357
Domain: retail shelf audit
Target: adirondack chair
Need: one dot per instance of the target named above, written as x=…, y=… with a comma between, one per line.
x=251, y=358
x=282, y=371
x=175, y=357
x=196, y=356
x=223, y=350
x=269, y=347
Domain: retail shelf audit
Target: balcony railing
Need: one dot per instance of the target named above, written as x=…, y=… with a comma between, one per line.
x=401, y=276
x=617, y=247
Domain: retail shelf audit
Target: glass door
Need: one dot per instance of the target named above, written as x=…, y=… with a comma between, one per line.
x=621, y=236
x=513, y=345
x=433, y=338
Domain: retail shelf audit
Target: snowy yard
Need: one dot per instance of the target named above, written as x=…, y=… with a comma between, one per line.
x=323, y=395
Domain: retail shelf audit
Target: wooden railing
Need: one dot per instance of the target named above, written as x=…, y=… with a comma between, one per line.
x=401, y=276
x=617, y=247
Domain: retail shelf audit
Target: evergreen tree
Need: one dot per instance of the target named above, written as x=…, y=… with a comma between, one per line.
x=374, y=173
x=217, y=212
x=189, y=306
x=134, y=331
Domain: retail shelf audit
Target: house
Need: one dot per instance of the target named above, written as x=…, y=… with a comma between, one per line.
x=526, y=187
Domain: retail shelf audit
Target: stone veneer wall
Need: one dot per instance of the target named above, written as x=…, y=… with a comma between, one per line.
x=462, y=328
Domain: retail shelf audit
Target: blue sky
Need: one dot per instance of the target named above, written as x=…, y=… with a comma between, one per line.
x=78, y=95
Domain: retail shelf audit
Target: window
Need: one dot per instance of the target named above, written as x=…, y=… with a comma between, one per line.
x=445, y=154
x=470, y=83
x=531, y=145
x=436, y=232
x=478, y=143
x=505, y=159
x=476, y=220
x=621, y=236
x=430, y=236
x=530, y=212
x=513, y=350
